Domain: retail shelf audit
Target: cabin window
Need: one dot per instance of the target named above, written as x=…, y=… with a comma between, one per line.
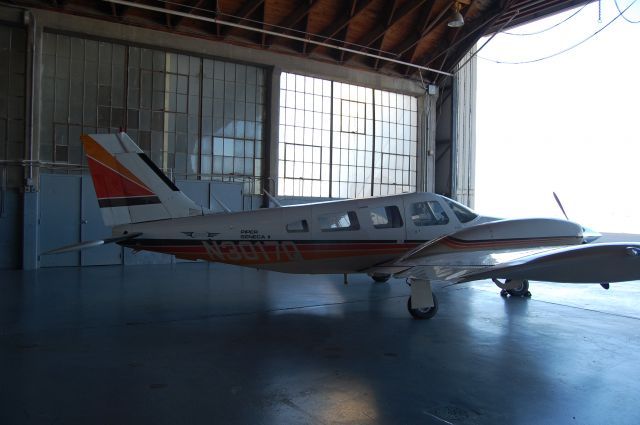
x=428, y=213
x=335, y=222
x=385, y=217
x=463, y=213
x=298, y=226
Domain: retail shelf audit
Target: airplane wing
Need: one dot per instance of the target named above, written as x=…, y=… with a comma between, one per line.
x=494, y=250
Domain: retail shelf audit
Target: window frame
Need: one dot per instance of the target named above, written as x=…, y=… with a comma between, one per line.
x=354, y=222
x=392, y=214
x=433, y=221
x=304, y=226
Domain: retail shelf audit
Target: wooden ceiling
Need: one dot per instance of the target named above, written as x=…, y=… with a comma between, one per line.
x=393, y=37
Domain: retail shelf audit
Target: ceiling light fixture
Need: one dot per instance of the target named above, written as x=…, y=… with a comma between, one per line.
x=456, y=20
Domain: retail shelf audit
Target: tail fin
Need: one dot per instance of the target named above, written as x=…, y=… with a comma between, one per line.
x=129, y=186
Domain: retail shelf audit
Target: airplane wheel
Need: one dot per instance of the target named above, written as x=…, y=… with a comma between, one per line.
x=380, y=278
x=521, y=291
x=423, y=313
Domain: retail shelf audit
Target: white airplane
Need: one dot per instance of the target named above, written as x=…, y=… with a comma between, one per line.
x=422, y=237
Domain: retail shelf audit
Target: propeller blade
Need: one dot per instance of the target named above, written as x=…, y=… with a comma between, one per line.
x=560, y=205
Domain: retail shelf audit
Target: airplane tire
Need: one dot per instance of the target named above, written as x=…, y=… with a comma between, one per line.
x=380, y=278
x=522, y=291
x=423, y=313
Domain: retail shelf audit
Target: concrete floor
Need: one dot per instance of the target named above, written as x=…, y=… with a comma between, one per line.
x=199, y=344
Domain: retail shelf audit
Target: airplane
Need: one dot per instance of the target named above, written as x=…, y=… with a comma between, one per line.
x=422, y=237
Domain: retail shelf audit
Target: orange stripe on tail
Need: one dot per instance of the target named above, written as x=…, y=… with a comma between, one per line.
x=111, y=179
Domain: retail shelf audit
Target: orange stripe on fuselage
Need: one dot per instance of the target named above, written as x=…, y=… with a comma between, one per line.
x=256, y=253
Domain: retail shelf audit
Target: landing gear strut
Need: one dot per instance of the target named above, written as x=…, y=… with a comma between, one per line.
x=513, y=287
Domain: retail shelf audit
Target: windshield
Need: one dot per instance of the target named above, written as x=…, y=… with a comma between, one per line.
x=463, y=213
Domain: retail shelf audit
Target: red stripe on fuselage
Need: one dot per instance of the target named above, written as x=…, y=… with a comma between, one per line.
x=249, y=252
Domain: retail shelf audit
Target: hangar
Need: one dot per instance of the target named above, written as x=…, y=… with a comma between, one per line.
x=308, y=100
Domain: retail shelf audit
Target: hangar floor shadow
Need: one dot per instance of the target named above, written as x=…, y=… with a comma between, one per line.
x=200, y=343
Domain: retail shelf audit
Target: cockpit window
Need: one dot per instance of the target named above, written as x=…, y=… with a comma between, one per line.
x=428, y=213
x=463, y=213
x=385, y=217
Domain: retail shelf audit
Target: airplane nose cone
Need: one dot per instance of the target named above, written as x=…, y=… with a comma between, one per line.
x=589, y=235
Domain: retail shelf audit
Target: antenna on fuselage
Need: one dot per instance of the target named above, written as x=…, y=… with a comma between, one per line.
x=272, y=198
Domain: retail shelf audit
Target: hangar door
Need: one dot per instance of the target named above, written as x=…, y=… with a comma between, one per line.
x=68, y=214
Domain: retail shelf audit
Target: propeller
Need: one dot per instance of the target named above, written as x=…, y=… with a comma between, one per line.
x=588, y=235
x=560, y=205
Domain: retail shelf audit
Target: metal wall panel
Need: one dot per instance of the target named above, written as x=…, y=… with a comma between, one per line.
x=229, y=193
x=69, y=214
x=197, y=191
x=10, y=229
x=92, y=228
x=59, y=217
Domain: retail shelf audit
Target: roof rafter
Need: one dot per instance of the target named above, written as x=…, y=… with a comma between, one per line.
x=377, y=44
x=453, y=40
x=467, y=39
x=400, y=13
x=196, y=5
x=429, y=25
x=291, y=20
x=245, y=11
x=356, y=7
x=168, y=16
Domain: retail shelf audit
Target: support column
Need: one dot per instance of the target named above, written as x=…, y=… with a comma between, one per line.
x=30, y=203
x=427, y=140
x=273, y=135
x=463, y=145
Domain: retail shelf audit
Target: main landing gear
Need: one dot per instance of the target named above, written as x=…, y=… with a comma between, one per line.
x=513, y=287
x=422, y=304
x=380, y=278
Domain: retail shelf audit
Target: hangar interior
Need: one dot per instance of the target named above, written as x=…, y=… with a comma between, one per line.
x=306, y=100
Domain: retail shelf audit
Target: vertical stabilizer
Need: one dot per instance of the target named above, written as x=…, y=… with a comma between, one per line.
x=129, y=186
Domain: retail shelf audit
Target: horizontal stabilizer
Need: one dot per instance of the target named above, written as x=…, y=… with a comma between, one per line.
x=91, y=244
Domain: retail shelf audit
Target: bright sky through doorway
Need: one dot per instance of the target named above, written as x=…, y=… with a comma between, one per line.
x=569, y=124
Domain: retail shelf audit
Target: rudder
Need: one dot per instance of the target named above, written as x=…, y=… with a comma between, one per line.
x=130, y=188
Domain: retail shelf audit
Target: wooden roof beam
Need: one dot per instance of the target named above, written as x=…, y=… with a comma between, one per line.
x=474, y=27
x=291, y=20
x=178, y=19
x=377, y=44
x=400, y=13
x=245, y=11
x=453, y=40
x=357, y=6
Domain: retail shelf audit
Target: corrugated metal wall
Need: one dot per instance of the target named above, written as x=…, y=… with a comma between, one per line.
x=464, y=131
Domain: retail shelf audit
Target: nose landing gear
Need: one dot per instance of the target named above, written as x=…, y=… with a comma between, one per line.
x=422, y=304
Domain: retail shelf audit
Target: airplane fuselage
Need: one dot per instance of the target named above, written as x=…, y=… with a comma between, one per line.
x=329, y=237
